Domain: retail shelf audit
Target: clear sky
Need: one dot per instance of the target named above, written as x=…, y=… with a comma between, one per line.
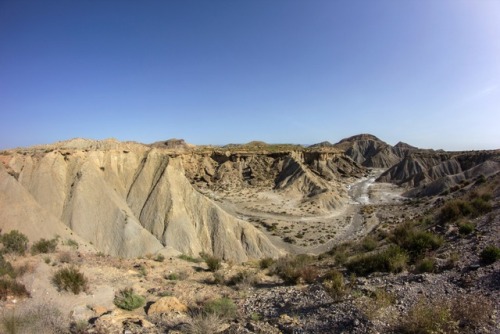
x=426, y=72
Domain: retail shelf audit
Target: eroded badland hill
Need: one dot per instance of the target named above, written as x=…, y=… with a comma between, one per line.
x=354, y=237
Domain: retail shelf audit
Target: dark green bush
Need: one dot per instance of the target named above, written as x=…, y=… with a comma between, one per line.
x=455, y=209
x=490, y=254
x=393, y=259
x=368, y=244
x=465, y=228
x=9, y=287
x=414, y=241
x=126, y=299
x=223, y=307
x=426, y=265
x=70, y=279
x=481, y=206
x=213, y=263
x=266, y=263
x=14, y=242
x=43, y=246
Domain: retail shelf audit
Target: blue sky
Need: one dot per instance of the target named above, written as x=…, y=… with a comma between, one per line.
x=424, y=72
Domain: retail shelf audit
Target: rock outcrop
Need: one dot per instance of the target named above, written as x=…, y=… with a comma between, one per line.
x=126, y=200
x=431, y=173
x=370, y=151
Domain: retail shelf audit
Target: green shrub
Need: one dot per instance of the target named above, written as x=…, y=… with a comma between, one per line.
x=177, y=276
x=6, y=268
x=426, y=265
x=223, y=307
x=12, y=288
x=334, y=285
x=266, y=263
x=393, y=259
x=159, y=258
x=455, y=209
x=44, y=246
x=290, y=269
x=429, y=317
x=213, y=263
x=219, y=277
x=415, y=241
x=72, y=243
x=189, y=258
x=70, y=279
x=126, y=299
x=490, y=254
x=481, y=206
x=14, y=242
x=368, y=244
x=244, y=279
x=465, y=228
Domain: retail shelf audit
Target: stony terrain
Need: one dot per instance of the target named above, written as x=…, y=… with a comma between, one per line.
x=356, y=237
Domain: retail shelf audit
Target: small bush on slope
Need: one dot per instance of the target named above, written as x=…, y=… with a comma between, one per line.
x=14, y=242
x=490, y=254
x=70, y=279
x=126, y=299
x=43, y=246
x=393, y=259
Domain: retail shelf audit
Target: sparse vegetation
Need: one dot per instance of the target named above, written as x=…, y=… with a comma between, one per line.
x=43, y=246
x=334, y=284
x=190, y=258
x=429, y=317
x=455, y=209
x=465, y=228
x=213, y=263
x=415, y=241
x=393, y=259
x=6, y=268
x=159, y=258
x=70, y=279
x=38, y=318
x=376, y=301
x=203, y=323
x=490, y=254
x=457, y=315
x=222, y=307
x=266, y=263
x=290, y=268
x=425, y=265
x=14, y=242
x=72, y=243
x=126, y=299
x=12, y=288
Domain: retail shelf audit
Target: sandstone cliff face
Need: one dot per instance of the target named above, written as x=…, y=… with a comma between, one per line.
x=126, y=200
x=307, y=175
